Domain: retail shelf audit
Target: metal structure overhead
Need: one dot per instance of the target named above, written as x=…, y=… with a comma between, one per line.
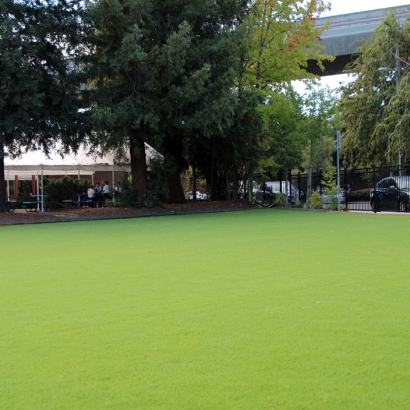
x=345, y=34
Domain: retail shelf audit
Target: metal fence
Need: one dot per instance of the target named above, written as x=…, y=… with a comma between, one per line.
x=378, y=189
x=361, y=189
x=366, y=189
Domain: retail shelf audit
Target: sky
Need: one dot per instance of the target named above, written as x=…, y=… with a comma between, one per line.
x=351, y=6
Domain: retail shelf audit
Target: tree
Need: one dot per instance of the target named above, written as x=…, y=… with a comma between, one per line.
x=39, y=43
x=161, y=72
x=318, y=129
x=281, y=139
x=374, y=107
x=281, y=37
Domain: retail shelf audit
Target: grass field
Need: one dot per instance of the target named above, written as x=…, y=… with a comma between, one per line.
x=263, y=309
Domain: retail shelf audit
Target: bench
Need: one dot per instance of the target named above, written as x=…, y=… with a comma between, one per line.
x=30, y=206
x=85, y=201
x=69, y=202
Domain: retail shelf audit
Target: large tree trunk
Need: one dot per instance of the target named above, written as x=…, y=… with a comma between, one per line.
x=3, y=199
x=138, y=166
x=175, y=191
x=235, y=185
x=173, y=180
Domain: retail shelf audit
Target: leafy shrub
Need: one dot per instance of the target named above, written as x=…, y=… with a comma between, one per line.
x=26, y=197
x=279, y=200
x=157, y=187
x=315, y=201
x=127, y=196
x=333, y=203
x=58, y=190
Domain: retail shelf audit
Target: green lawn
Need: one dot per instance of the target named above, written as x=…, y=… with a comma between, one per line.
x=263, y=309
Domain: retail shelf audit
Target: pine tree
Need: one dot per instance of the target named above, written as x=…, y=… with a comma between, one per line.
x=162, y=73
x=39, y=104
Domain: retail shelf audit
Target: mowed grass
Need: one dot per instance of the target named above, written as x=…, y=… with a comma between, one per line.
x=263, y=309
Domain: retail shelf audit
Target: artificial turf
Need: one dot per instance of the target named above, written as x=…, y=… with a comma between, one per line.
x=263, y=309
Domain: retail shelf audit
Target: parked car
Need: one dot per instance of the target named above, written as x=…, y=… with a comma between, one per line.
x=269, y=189
x=328, y=198
x=199, y=195
x=391, y=194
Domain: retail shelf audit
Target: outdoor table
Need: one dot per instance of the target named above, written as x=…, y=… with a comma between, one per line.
x=31, y=206
x=69, y=202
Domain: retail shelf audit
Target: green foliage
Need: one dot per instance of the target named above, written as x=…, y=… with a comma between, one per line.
x=281, y=115
x=315, y=201
x=329, y=178
x=373, y=106
x=162, y=78
x=127, y=195
x=26, y=197
x=39, y=104
x=321, y=120
x=330, y=184
x=157, y=187
x=281, y=37
x=279, y=199
x=67, y=188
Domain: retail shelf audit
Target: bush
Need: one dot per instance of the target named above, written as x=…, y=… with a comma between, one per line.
x=26, y=197
x=58, y=190
x=279, y=200
x=127, y=196
x=315, y=201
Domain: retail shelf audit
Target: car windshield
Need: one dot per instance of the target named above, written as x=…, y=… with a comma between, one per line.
x=404, y=183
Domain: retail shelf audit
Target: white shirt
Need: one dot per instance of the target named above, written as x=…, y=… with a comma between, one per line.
x=90, y=193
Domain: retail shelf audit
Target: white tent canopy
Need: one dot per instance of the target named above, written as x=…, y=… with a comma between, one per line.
x=35, y=162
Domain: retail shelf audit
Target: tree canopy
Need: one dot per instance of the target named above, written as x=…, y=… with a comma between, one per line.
x=200, y=80
x=374, y=105
x=39, y=103
x=162, y=72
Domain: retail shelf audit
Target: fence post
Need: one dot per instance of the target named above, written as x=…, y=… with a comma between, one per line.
x=299, y=186
x=346, y=188
x=280, y=181
x=374, y=189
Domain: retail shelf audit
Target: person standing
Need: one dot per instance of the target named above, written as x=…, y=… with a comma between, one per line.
x=99, y=197
x=106, y=190
x=91, y=196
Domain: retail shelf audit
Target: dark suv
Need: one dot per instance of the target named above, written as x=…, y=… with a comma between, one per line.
x=391, y=194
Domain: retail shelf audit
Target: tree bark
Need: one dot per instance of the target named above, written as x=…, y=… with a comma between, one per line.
x=138, y=166
x=175, y=191
x=172, y=150
x=235, y=184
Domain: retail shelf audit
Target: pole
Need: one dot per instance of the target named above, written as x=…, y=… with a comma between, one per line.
x=42, y=189
x=113, y=182
x=338, y=168
x=397, y=91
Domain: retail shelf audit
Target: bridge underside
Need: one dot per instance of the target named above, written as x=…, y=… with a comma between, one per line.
x=331, y=68
x=347, y=32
